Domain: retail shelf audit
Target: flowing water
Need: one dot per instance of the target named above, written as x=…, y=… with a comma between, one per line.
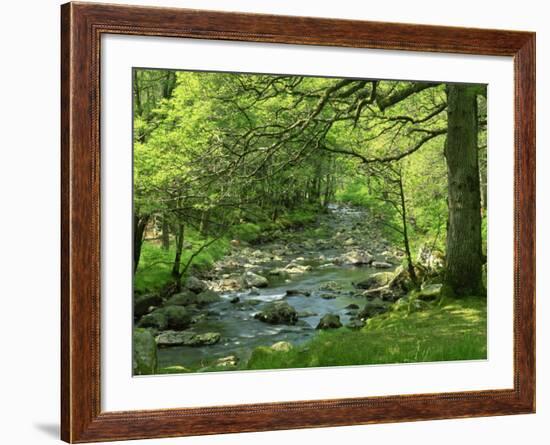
x=241, y=332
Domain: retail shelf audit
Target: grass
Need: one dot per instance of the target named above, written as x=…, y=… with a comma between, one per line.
x=156, y=263
x=455, y=331
x=252, y=232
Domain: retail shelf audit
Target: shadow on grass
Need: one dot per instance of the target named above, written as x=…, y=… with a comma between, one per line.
x=456, y=331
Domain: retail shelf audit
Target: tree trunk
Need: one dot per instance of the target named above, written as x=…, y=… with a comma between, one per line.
x=205, y=219
x=410, y=265
x=464, y=255
x=177, y=259
x=165, y=237
x=483, y=180
x=140, y=223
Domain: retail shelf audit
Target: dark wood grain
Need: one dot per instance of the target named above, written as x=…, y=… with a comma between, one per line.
x=81, y=28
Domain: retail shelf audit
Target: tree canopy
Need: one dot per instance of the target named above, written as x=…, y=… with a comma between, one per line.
x=215, y=152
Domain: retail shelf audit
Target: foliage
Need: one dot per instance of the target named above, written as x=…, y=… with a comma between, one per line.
x=156, y=263
x=242, y=155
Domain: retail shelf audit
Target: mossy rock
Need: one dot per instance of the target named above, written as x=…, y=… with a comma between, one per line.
x=154, y=320
x=332, y=286
x=195, y=285
x=177, y=317
x=169, y=317
x=207, y=297
x=184, y=298
x=375, y=280
x=372, y=308
x=430, y=292
x=279, y=312
x=329, y=321
x=175, y=338
x=142, y=303
x=144, y=357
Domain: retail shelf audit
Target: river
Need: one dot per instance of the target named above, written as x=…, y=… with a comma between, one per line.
x=326, y=288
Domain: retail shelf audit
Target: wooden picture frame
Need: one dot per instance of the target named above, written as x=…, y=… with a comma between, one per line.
x=82, y=25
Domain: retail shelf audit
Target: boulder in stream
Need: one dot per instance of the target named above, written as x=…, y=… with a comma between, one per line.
x=251, y=279
x=278, y=271
x=354, y=257
x=184, y=298
x=207, y=297
x=349, y=242
x=196, y=285
x=175, y=338
x=306, y=314
x=332, y=286
x=383, y=293
x=169, y=317
x=295, y=269
x=355, y=324
x=329, y=321
x=278, y=312
x=297, y=292
x=143, y=303
x=381, y=265
x=376, y=280
x=187, y=298
x=372, y=308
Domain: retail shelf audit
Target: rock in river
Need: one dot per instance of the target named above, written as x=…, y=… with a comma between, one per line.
x=349, y=242
x=169, y=317
x=381, y=265
x=372, y=308
x=376, y=280
x=278, y=271
x=329, y=321
x=144, y=360
x=331, y=286
x=207, y=297
x=296, y=269
x=278, y=312
x=142, y=303
x=174, y=338
x=355, y=324
x=250, y=279
x=187, y=298
x=355, y=257
x=184, y=298
x=196, y=285
x=297, y=292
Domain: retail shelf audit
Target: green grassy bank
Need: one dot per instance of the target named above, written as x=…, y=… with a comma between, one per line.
x=155, y=263
x=455, y=331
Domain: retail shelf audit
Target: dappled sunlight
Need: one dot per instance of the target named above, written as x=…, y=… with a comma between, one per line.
x=284, y=221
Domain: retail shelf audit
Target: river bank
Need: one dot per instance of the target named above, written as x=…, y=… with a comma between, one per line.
x=277, y=296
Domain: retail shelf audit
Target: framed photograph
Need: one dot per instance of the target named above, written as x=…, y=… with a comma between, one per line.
x=274, y=222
